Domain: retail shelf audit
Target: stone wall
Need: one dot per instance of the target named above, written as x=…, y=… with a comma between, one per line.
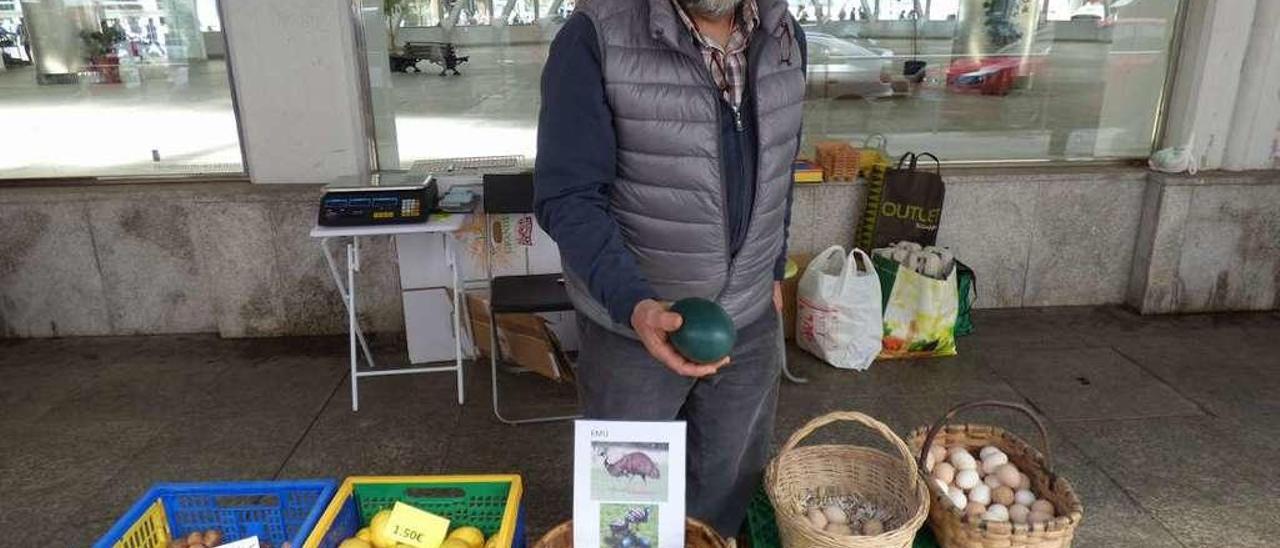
x=236, y=258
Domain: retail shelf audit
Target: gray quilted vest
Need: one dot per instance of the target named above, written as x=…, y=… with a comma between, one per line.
x=668, y=197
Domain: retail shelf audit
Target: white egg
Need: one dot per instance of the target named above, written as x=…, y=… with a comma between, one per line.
x=1018, y=513
x=967, y=479
x=1043, y=506
x=957, y=497
x=988, y=451
x=817, y=518
x=1024, y=481
x=1024, y=497
x=991, y=463
x=961, y=459
x=945, y=472
x=835, y=514
x=928, y=462
x=996, y=512
x=942, y=487
x=992, y=481
x=1009, y=475
x=980, y=494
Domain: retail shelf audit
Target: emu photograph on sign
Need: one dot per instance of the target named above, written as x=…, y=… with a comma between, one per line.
x=628, y=525
x=629, y=471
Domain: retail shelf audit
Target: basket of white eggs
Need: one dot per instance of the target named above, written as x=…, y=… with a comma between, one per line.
x=991, y=488
x=846, y=496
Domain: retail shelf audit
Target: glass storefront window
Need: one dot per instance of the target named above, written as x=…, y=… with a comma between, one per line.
x=94, y=88
x=969, y=80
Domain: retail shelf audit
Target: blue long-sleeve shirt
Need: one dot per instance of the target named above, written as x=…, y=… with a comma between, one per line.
x=576, y=165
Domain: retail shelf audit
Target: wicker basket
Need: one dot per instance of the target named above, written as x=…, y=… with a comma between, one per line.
x=696, y=535
x=874, y=475
x=948, y=522
x=838, y=160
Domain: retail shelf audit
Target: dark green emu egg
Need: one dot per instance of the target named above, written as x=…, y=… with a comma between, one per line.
x=707, y=333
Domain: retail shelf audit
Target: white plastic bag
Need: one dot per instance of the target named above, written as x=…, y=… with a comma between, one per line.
x=838, y=314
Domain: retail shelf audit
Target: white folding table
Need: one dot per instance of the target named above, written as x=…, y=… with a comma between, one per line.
x=446, y=224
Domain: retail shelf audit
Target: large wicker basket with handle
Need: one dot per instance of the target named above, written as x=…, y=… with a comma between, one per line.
x=891, y=482
x=948, y=522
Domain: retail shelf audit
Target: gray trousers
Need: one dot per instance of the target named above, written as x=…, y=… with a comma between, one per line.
x=729, y=414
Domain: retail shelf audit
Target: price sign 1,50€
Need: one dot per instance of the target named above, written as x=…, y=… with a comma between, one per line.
x=417, y=528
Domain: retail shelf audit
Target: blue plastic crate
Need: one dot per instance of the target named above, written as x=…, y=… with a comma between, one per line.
x=274, y=511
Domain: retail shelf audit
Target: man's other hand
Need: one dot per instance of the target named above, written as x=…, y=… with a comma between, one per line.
x=777, y=296
x=652, y=322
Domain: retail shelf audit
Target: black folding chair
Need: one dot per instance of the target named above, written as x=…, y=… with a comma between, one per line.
x=513, y=194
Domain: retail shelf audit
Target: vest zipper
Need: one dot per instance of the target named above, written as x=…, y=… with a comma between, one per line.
x=737, y=117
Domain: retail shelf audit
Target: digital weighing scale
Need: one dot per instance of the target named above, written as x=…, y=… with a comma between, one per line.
x=382, y=199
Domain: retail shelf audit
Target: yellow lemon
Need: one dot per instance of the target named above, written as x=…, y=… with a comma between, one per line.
x=492, y=542
x=379, y=536
x=454, y=543
x=364, y=534
x=470, y=535
x=355, y=543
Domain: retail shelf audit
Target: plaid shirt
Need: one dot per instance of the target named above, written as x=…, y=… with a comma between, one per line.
x=728, y=64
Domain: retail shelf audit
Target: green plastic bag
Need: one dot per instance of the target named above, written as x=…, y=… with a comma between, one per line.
x=920, y=312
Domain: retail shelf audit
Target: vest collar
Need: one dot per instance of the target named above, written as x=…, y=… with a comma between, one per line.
x=665, y=25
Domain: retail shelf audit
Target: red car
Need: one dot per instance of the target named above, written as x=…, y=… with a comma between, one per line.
x=1000, y=72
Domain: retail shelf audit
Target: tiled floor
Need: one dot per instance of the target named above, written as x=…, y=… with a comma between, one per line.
x=1166, y=425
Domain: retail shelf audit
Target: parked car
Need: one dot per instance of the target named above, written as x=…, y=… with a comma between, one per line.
x=1000, y=72
x=842, y=68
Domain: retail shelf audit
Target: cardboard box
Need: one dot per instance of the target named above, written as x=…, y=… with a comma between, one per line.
x=789, y=288
x=524, y=339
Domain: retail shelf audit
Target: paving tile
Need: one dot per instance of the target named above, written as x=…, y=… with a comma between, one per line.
x=957, y=376
x=403, y=427
x=1171, y=464
x=1088, y=384
x=1221, y=377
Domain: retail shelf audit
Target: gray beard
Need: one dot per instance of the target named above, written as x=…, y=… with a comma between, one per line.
x=710, y=8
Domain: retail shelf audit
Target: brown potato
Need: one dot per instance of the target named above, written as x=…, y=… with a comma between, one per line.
x=195, y=538
x=212, y=538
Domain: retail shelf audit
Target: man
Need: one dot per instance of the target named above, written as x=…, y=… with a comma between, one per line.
x=665, y=144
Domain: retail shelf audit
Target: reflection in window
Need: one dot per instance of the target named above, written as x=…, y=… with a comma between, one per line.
x=967, y=79
x=114, y=87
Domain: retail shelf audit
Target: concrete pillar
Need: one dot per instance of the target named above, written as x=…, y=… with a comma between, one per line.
x=1209, y=67
x=1255, y=125
x=54, y=29
x=296, y=75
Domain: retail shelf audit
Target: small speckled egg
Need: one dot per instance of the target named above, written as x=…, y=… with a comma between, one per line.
x=839, y=529
x=872, y=527
x=835, y=514
x=817, y=518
